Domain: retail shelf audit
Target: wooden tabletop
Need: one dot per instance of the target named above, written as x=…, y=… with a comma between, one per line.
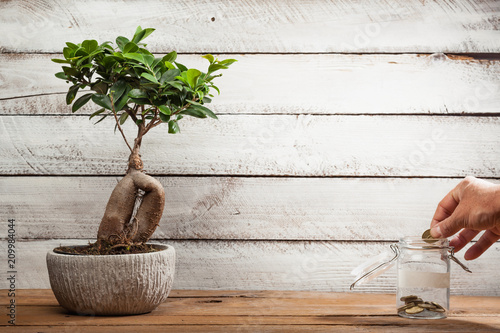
x=255, y=311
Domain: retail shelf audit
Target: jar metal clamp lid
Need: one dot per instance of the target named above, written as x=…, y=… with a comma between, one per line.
x=375, y=266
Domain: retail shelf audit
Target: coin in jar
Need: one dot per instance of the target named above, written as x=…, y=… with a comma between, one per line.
x=408, y=298
x=414, y=310
x=427, y=306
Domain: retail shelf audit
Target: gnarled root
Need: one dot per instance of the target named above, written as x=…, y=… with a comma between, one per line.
x=118, y=226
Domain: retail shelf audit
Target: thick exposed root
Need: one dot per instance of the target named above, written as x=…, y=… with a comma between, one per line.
x=118, y=226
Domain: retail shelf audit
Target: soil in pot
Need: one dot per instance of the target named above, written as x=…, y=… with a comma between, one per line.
x=103, y=248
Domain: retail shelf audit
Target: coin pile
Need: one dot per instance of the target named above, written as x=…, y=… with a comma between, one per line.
x=414, y=305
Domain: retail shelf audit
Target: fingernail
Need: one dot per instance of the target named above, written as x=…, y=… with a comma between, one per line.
x=436, y=232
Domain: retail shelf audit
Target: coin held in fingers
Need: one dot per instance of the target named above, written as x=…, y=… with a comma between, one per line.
x=426, y=237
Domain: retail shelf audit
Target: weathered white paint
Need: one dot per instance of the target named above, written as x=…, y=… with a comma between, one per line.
x=270, y=265
x=228, y=208
x=297, y=84
x=259, y=145
x=237, y=232
x=258, y=25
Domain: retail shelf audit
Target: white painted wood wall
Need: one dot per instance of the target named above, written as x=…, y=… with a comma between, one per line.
x=340, y=130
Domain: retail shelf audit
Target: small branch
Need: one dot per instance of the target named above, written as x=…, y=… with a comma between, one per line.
x=143, y=118
x=118, y=123
x=152, y=123
x=131, y=114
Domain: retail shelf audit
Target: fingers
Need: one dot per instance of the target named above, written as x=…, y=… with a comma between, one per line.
x=463, y=238
x=486, y=240
x=446, y=207
x=448, y=227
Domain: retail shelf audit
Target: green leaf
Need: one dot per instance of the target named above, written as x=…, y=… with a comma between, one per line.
x=123, y=118
x=193, y=113
x=192, y=76
x=215, y=67
x=118, y=89
x=169, y=65
x=138, y=35
x=218, y=91
x=205, y=110
x=81, y=52
x=121, y=42
x=140, y=101
x=157, y=62
x=164, y=118
x=62, y=76
x=90, y=45
x=68, y=52
x=120, y=104
x=141, y=34
x=100, y=87
x=149, y=77
x=169, y=75
x=72, y=46
x=148, y=31
x=106, y=45
x=130, y=47
x=108, y=61
x=81, y=60
x=148, y=59
x=173, y=127
x=102, y=100
x=181, y=67
x=163, y=109
x=102, y=118
x=69, y=71
x=70, y=96
x=138, y=93
x=135, y=56
x=227, y=62
x=81, y=102
x=182, y=78
x=98, y=112
x=209, y=57
x=144, y=51
x=118, y=56
x=170, y=57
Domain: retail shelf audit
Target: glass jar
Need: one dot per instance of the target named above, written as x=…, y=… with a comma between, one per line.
x=423, y=289
x=423, y=276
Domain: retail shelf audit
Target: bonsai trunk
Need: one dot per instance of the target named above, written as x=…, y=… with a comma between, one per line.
x=119, y=224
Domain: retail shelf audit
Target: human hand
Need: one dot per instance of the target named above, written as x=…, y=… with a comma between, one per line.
x=473, y=205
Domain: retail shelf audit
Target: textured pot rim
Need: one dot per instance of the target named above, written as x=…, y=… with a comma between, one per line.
x=164, y=247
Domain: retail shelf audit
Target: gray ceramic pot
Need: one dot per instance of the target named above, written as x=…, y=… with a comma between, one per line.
x=112, y=284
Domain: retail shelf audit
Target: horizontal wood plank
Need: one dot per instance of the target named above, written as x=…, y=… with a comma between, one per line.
x=294, y=84
x=233, y=207
x=269, y=265
x=480, y=325
x=257, y=25
x=258, y=145
x=312, y=312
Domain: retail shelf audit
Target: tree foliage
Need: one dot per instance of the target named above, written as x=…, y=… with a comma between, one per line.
x=128, y=81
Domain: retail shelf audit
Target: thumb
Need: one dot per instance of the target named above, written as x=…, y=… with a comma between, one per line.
x=448, y=226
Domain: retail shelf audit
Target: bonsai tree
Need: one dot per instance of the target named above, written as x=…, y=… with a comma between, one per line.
x=129, y=82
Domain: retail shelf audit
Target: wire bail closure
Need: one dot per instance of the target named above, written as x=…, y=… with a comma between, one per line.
x=382, y=267
x=385, y=265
